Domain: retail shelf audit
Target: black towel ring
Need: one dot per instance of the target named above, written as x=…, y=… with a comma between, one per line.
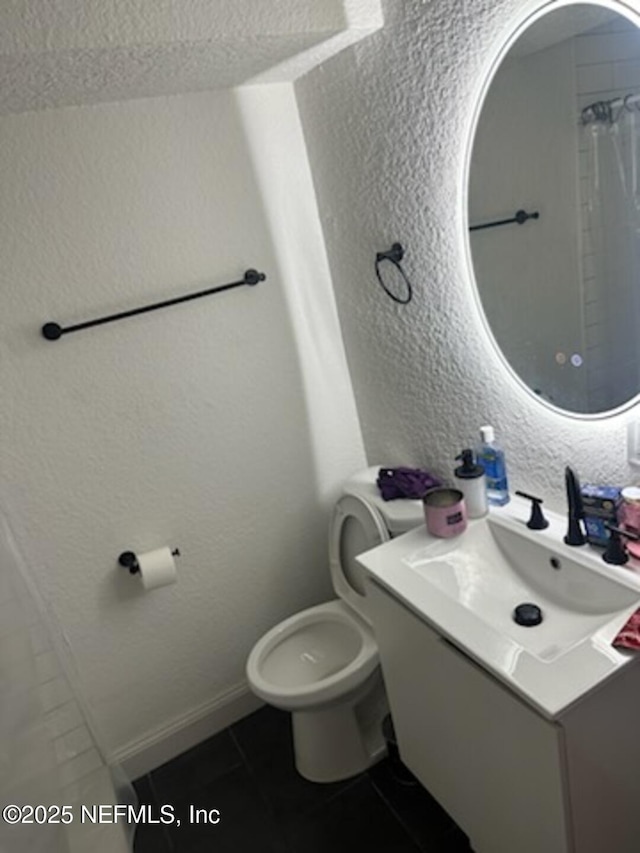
x=394, y=256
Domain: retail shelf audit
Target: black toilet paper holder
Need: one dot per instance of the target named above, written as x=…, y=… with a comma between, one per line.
x=129, y=560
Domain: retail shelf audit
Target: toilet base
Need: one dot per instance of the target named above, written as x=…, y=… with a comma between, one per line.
x=342, y=740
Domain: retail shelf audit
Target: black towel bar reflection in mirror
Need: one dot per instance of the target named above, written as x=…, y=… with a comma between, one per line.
x=53, y=331
x=520, y=217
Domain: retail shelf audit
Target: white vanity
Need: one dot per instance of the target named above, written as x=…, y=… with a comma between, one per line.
x=529, y=737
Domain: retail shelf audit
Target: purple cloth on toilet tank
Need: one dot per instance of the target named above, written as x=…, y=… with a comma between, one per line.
x=405, y=483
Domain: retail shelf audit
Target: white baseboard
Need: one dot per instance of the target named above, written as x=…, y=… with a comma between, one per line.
x=166, y=742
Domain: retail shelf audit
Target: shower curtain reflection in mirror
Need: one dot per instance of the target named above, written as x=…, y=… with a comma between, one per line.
x=611, y=257
x=48, y=752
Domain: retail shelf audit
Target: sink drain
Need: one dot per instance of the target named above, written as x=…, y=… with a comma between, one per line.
x=527, y=615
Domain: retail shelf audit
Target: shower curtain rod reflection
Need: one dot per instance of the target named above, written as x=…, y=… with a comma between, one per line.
x=609, y=111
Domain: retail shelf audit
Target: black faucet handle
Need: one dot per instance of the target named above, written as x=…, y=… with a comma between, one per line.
x=628, y=534
x=537, y=521
x=615, y=553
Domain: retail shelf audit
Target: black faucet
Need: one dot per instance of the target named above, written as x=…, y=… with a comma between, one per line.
x=616, y=552
x=537, y=521
x=575, y=535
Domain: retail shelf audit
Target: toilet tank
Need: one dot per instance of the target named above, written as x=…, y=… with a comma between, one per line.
x=398, y=515
x=362, y=520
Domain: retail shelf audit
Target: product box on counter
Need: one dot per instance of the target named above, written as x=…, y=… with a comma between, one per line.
x=600, y=504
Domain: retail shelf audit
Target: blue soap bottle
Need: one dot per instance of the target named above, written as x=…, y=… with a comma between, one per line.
x=491, y=457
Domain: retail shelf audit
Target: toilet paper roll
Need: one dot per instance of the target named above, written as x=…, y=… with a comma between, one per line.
x=157, y=568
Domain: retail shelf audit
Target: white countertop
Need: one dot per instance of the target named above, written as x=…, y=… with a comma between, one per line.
x=550, y=685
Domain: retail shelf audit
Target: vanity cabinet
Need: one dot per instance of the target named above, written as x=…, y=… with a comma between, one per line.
x=512, y=779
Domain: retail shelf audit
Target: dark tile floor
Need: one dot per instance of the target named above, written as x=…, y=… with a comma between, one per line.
x=247, y=773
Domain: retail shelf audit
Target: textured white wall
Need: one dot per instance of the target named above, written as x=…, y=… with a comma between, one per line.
x=387, y=125
x=197, y=426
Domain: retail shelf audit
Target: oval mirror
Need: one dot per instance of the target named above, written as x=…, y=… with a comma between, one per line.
x=554, y=208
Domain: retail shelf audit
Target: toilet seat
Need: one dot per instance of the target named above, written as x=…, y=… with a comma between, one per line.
x=356, y=526
x=322, y=664
x=340, y=648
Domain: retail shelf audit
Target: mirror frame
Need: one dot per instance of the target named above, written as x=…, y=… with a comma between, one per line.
x=519, y=24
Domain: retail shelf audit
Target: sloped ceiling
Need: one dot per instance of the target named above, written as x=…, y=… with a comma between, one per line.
x=65, y=52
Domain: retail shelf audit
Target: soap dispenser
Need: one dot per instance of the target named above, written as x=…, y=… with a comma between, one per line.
x=470, y=479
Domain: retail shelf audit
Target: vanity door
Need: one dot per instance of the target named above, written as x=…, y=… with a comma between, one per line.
x=492, y=762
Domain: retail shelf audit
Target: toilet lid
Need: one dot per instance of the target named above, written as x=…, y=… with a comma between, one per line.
x=356, y=526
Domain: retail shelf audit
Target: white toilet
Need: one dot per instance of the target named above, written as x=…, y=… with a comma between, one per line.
x=322, y=663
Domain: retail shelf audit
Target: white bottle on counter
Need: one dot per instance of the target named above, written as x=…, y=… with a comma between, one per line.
x=470, y=479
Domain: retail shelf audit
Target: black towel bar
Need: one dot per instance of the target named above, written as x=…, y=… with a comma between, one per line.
x=520, y=217
x=53, y=331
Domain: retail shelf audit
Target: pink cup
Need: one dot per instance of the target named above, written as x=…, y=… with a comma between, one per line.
x=629, y=517
x=629, y=510
x=445, y=512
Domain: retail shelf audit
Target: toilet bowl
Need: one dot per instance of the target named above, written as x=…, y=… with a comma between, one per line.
x=322, y=664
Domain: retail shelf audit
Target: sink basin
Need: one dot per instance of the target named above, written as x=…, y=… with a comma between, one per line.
x=494, y=568
x=468, y=587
